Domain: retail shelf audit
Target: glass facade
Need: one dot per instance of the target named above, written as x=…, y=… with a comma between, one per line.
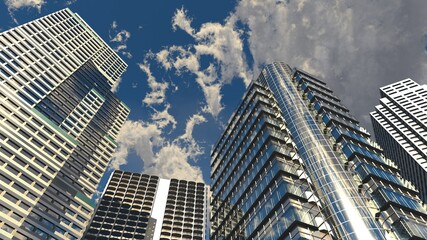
x=58, y=122
x=139, y=206
x=260, y=188
x=293, y=163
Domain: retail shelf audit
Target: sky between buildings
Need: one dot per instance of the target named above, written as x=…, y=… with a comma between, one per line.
x=189, y=62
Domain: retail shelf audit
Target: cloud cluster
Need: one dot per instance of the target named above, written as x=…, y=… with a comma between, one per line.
x=219, y=43
x=16, y=4
x=119, y=38
x=356, y=46
x=161, y=157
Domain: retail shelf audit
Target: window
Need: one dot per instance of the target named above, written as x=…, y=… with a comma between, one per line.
x=4, y=209
x=32, y=196
x=10, y=198
x=33, y=171
x=6, y=152
x=12, y=170
x=19, y=188
x=7, y=228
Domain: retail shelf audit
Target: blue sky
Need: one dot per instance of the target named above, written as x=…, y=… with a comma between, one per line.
x=189, y=62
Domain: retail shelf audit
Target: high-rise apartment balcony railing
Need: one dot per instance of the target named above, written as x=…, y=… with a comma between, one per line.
x=291, y=216
x=384, y=197
x=338, y=134
x=365, y=171
x=351, y=150
x=253, y=123
x=409, y=229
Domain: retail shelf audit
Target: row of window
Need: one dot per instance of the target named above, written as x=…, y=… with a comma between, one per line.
x=235, y=120
x=256, y=101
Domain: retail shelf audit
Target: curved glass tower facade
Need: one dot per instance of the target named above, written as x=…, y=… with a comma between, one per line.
x=260, y=187
x=352, y=191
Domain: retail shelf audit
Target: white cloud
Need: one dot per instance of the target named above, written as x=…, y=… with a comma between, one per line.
x=181, y=20
x=167, y=159
x=192, y=146
x=162, y=57
x=194, y=120
x=163, y=118
x=158, y=89
x=13, y=5
x=70, y=2
x=140, y=137
x=120, y=48
x=222, y=43
x=115, y=86
x=16, y=4
x=114, y=25
x=119, y=38
x=172, y=162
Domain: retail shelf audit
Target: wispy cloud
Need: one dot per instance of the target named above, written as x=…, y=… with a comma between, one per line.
x=13, y=5
x=163, y=118
x=70, y=2
x=355, y=46
x=182, y=21
x=119, y=38
x=158, y=89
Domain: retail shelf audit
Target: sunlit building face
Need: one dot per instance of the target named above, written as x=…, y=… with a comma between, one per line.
x=58, y=123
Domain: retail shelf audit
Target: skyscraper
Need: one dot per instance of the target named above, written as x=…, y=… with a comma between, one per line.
x=139, y=206
x=58, y=122
x=400, y=127
x=294, y=164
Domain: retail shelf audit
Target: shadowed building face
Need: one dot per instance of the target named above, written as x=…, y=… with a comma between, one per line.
x=139, y=206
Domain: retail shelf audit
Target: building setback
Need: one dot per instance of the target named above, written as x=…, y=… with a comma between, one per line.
x=139, y=206
x=294, y=164
x=400, y=127
x=58, y=122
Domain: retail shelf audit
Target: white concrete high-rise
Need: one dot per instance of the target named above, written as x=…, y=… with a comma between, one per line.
x=140, y=206
x=400, y=126
x=58, y=122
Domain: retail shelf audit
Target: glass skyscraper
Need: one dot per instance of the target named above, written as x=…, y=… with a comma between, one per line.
x=293, y=163
x=400, y=126
x=140, y=206
x=58, y=122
